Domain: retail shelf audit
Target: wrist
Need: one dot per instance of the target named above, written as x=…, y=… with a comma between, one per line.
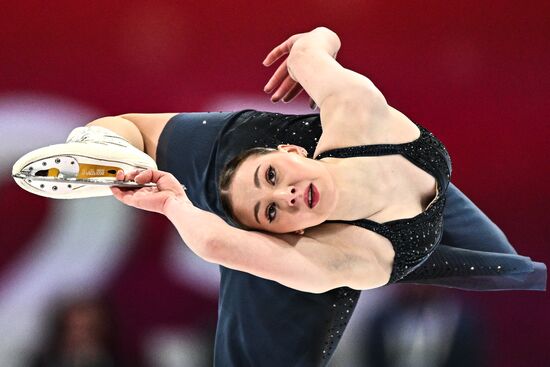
x=321, y=38
x=176, y=205
x=331, y=38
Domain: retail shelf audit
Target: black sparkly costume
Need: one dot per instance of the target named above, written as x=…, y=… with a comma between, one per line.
x=418, y=256
x=263, y=323
x=413, y=239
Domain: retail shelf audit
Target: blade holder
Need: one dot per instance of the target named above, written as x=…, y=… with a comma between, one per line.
x=63, y=174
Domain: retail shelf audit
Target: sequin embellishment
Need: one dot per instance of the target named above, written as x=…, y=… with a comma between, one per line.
x=414, y=239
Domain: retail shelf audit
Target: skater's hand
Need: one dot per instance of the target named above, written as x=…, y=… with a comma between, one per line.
x=152, y=199
x=281, y=86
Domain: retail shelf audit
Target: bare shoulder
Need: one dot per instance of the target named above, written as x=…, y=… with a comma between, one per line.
x=362, y=127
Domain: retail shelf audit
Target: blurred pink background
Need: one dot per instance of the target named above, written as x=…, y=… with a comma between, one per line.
x=476, y=73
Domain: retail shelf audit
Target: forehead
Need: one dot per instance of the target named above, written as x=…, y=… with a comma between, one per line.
x=248, y=167
x=250, y=163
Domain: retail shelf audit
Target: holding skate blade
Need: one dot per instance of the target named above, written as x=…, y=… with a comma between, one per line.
x=72, y=183
x=84, y=166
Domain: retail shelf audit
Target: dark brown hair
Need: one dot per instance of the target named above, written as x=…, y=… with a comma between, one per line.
x=226, y=178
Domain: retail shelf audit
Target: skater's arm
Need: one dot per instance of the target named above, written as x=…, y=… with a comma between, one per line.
x=142, y=130
x=123, y=127
x=300, y=262
x=342, y=94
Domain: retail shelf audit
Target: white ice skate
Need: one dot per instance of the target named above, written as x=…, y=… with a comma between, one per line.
x=85, y=166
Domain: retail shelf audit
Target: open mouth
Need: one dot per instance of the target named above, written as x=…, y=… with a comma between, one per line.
x=312, y=196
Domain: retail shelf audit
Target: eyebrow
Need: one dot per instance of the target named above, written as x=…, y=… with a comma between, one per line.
x=256, y=209
x=256, y=179
x=257, y=184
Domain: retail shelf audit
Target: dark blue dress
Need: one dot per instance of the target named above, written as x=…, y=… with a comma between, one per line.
x=262, y=323
x=416, y=239
x=413, y=239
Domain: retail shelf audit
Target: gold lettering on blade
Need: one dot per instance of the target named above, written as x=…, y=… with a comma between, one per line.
x=96, y=171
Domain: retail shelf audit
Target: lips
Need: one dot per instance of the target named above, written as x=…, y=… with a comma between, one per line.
x=314, y=196
x=311, y=196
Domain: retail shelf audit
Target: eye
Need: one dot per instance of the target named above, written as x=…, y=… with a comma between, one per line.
x=271, y=209
x=270, y=175
x=271, y=212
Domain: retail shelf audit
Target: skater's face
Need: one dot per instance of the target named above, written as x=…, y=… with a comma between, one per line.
x=282, y=191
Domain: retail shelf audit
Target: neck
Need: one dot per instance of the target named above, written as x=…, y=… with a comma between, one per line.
x=358, y=192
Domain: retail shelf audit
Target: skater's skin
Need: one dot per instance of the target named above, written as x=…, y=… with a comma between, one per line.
x=143, y=130
x=140, y=129
x=466, y=227
x=324, y=256
x=300, y=259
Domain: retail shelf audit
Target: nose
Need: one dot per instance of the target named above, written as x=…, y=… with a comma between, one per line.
x=287, y=195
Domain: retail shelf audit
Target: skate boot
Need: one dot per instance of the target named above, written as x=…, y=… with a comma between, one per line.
x=85, y=166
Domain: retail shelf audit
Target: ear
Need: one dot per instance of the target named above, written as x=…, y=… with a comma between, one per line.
x=291, y=148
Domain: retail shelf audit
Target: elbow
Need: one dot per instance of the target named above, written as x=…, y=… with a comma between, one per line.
x=325, y=282
x=368, y=273
x=316, y=287
x=210, y=250
x=218, y=249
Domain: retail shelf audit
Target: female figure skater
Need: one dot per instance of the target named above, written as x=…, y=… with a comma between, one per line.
x=373, y=169
x=305, y=326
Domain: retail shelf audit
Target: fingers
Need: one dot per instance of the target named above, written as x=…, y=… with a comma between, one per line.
x=139, y=198
x=151, y=198
x=117, y=192
x=140, y=176
x=312, y=104
x=293, y=93
x=278, y=77
x=286, y=87
x=276, y=53
x=145, y=176
x=281, y=50
x=130, y=176
x=124, y=196
x=164, y=180
x=281, y=85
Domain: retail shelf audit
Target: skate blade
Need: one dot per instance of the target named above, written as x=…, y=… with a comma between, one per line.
x=73, y=183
